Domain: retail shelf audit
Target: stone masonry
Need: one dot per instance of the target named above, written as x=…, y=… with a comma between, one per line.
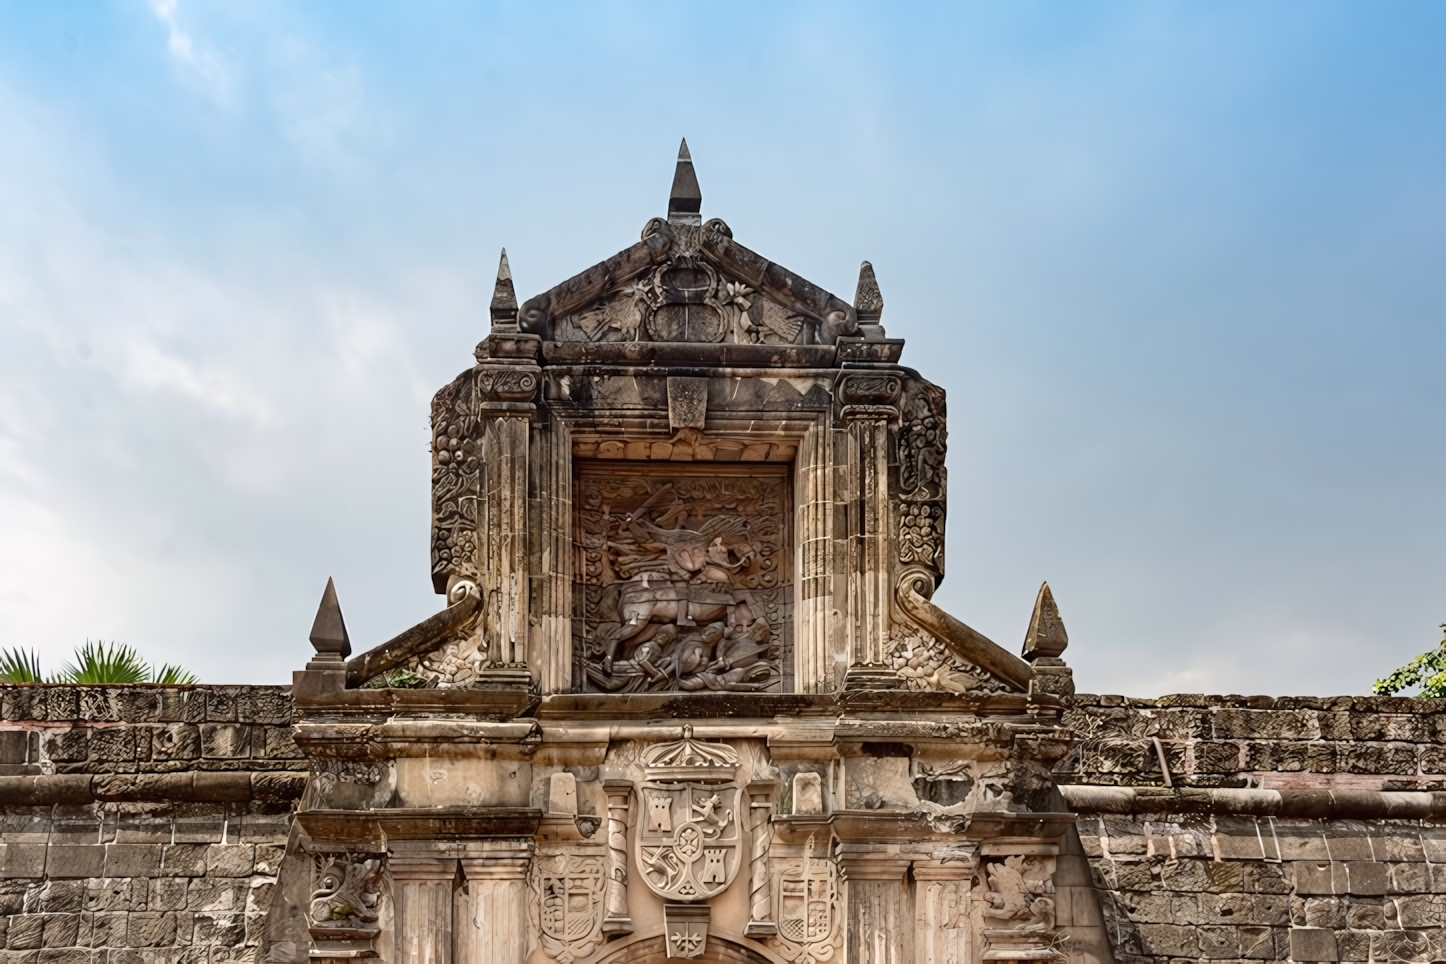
x=689, y=697
x=142, y=824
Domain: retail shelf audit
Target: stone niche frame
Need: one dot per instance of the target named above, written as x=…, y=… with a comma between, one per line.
x=752, y=550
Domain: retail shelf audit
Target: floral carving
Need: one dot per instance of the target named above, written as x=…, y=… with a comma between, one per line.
x=456, y=476
x=924, y=663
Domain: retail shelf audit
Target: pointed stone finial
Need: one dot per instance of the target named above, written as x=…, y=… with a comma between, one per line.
x=504, y=296
x=868, y=301
x=1046, y=635
x=328, y=632
x=685, y=203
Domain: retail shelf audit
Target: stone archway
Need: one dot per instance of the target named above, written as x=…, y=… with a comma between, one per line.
x=651, y=950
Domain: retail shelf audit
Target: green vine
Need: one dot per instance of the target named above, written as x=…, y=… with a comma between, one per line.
x=1427, y=671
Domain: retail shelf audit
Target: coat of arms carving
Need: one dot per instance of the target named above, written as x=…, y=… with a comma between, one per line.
x=807, y=908
x=689, y=839
x=567, y=896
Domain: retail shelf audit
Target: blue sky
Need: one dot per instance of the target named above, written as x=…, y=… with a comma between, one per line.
x=1178, y=266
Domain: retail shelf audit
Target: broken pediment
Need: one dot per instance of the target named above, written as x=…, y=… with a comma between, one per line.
x=689, y=282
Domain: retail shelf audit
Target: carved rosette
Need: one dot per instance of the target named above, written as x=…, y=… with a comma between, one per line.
x=568, y=898
x=456, y=483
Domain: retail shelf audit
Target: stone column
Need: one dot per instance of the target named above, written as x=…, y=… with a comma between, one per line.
x=491, y=905
x=880, y=922
x=551, y=554
x=616, y=919
x=505, y=577
x=422, y=889
x=818, y=636
x=760, y=882
x=941, y=912
x=870, y=562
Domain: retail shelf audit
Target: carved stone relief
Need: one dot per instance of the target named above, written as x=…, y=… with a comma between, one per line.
x=686, y=299
x=346, y=891
x=456, y=475
x=922, y=484
x=568, y=900
x=682, y=580
x=1018, y=894
x=924, y=663
x=807, y=908
x=689, y=837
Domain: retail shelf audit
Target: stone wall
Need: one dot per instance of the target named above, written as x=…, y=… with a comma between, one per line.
x=141, y=824
x=1292, y=829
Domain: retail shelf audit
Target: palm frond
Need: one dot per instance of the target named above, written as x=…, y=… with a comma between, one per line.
x=171, y=674
x=19, y=666
x=99, y=662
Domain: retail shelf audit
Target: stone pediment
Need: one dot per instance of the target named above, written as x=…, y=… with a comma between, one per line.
x=689, y=283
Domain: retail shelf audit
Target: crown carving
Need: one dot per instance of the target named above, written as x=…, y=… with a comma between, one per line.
x=689, y=759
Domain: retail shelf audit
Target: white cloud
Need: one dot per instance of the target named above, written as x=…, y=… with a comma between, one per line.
x=199, y=60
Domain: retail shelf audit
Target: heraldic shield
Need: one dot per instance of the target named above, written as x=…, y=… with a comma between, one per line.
x=567, y=897
x=689, y=840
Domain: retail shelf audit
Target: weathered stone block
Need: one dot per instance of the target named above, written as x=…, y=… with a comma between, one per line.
x=217, y=895
x=264, y=704
x=222, y=703
x=1378, y=758
x=280, y=745
x=183, y=860
x=65, y=955
x=1263, y=878
x=107, y=930
x=62, y=930
x=167, y=894
x=75, y=860
x=1365, y=914
x=22, y=860
x=225, y=741
x=114, y=894
x=1169, y=940
x=1319, y=877
x=1257, y=943
x=1216, y=756
x=1403, y=844
x=1409, y=879
x=66, y=745
x=25, y=933
x=1395, y=945
x=1272, y=909
x=1367, y=878
x=57, y=897
x=223, y=930
x=132, y=860
x=1327, y=912
x=268, y=858
x=1353, y=945
x=183, y=705
x=1219, y=943
x=1350, y=846
x=1184, y=875
x=1134, y=875
x=1313, y=944
x=231, y=860
x=176, y=741
x=1225, y=878
x=1418, y=910
x=151, y=929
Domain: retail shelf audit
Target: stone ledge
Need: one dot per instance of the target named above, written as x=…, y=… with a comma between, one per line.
x=1310, y=804
x=79, y=788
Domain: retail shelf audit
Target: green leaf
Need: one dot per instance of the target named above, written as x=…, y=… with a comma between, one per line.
x=1427, y=671
x=105, y=663
x=171, y=674
x=19, y=666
